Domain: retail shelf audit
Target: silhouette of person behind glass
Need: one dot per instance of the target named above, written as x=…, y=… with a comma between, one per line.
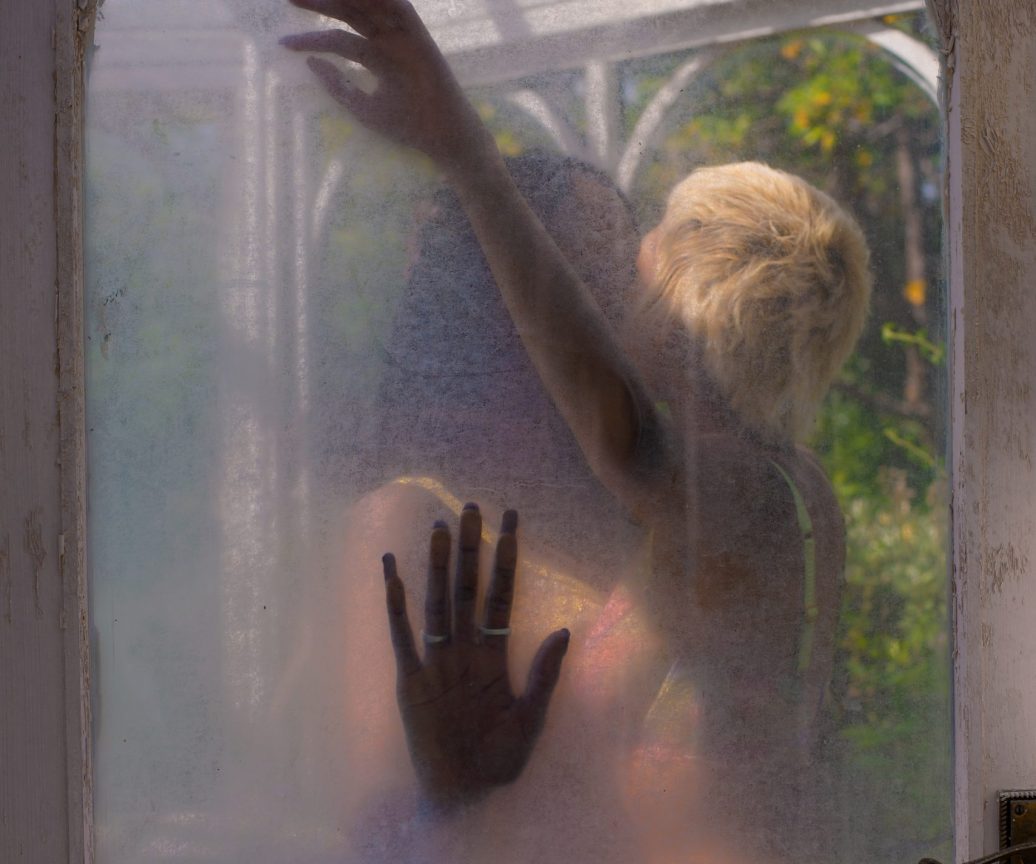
x=461, y=414
x=754, y=288
x=461, y=403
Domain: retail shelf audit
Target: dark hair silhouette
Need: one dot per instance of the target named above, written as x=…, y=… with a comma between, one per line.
x=461, y=401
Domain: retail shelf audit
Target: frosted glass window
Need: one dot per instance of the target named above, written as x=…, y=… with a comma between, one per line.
x=298, y=359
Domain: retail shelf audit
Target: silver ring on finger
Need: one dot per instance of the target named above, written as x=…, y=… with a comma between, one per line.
x=496, y=631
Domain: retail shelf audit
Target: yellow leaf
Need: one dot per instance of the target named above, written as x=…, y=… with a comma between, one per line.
x=827, y=140
x=822, y=97
x=801, y=118
x=508, y=144
x=864, y=158
x=914, y=292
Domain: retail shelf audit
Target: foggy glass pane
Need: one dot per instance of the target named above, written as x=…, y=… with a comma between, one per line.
x=298, y=359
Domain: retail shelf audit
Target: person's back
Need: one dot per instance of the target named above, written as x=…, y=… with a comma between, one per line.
x=461, y=402
x=756, y=289
x=745, y=584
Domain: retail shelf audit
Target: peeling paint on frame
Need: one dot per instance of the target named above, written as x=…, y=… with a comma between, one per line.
x=45, y=793
x=989, y=56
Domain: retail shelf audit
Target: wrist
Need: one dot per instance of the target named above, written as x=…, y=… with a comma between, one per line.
x=472, y=160
x=446, y=799
x=439, y=809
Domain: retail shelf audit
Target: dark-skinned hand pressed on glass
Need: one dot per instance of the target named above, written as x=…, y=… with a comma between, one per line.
x=466, y=729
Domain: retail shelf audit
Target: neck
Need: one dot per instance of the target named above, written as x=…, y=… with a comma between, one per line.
x=708, y=413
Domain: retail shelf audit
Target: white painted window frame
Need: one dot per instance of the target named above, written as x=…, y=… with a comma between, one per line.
x=45, y=773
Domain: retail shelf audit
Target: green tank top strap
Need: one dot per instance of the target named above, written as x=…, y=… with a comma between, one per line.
x=809, y=557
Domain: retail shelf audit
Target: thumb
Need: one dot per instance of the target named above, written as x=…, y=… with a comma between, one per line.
x=543, y=677
x=358, y=103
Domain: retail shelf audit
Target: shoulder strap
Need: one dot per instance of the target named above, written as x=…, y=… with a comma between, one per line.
x=809, y=557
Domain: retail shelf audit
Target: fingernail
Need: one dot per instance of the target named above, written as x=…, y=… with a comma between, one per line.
x=439, y=525
x=565, y=635
x=509, y=524
x=471, y=506
x=387, y=560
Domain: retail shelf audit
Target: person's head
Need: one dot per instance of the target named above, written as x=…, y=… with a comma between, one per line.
x=770, y=279
x=590, y=219
x=460, y=399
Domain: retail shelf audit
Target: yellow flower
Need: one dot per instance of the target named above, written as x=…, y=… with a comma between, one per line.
x=791, y=50
x=914, y=292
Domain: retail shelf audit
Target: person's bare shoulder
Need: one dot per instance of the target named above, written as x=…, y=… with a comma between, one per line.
x=394, y=516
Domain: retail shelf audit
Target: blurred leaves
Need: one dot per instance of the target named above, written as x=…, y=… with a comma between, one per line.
x=932, y=352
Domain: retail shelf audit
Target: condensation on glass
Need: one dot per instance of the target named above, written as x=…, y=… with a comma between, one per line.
x=297, y=360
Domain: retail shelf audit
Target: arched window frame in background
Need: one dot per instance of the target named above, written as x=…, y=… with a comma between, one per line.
x=45, y=776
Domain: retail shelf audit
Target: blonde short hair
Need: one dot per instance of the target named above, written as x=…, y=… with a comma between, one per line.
x=771, y=277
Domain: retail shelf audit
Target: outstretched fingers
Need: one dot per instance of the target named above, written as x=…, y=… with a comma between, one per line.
x=465, y=589
x=338, y=42
x=367, y=17
x=407, y=661
x=543, y=678
x=500, y=597
x=362, y=106
x=437, y=592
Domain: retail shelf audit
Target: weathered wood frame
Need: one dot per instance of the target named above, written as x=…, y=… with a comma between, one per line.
x=989, y=100
x=45, y=777
x=45, y=774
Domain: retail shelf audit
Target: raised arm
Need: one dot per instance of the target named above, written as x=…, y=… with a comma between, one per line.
x=418, y=102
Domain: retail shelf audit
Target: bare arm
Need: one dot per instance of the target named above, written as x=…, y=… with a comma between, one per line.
x=419, y=103
x=578, y=357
